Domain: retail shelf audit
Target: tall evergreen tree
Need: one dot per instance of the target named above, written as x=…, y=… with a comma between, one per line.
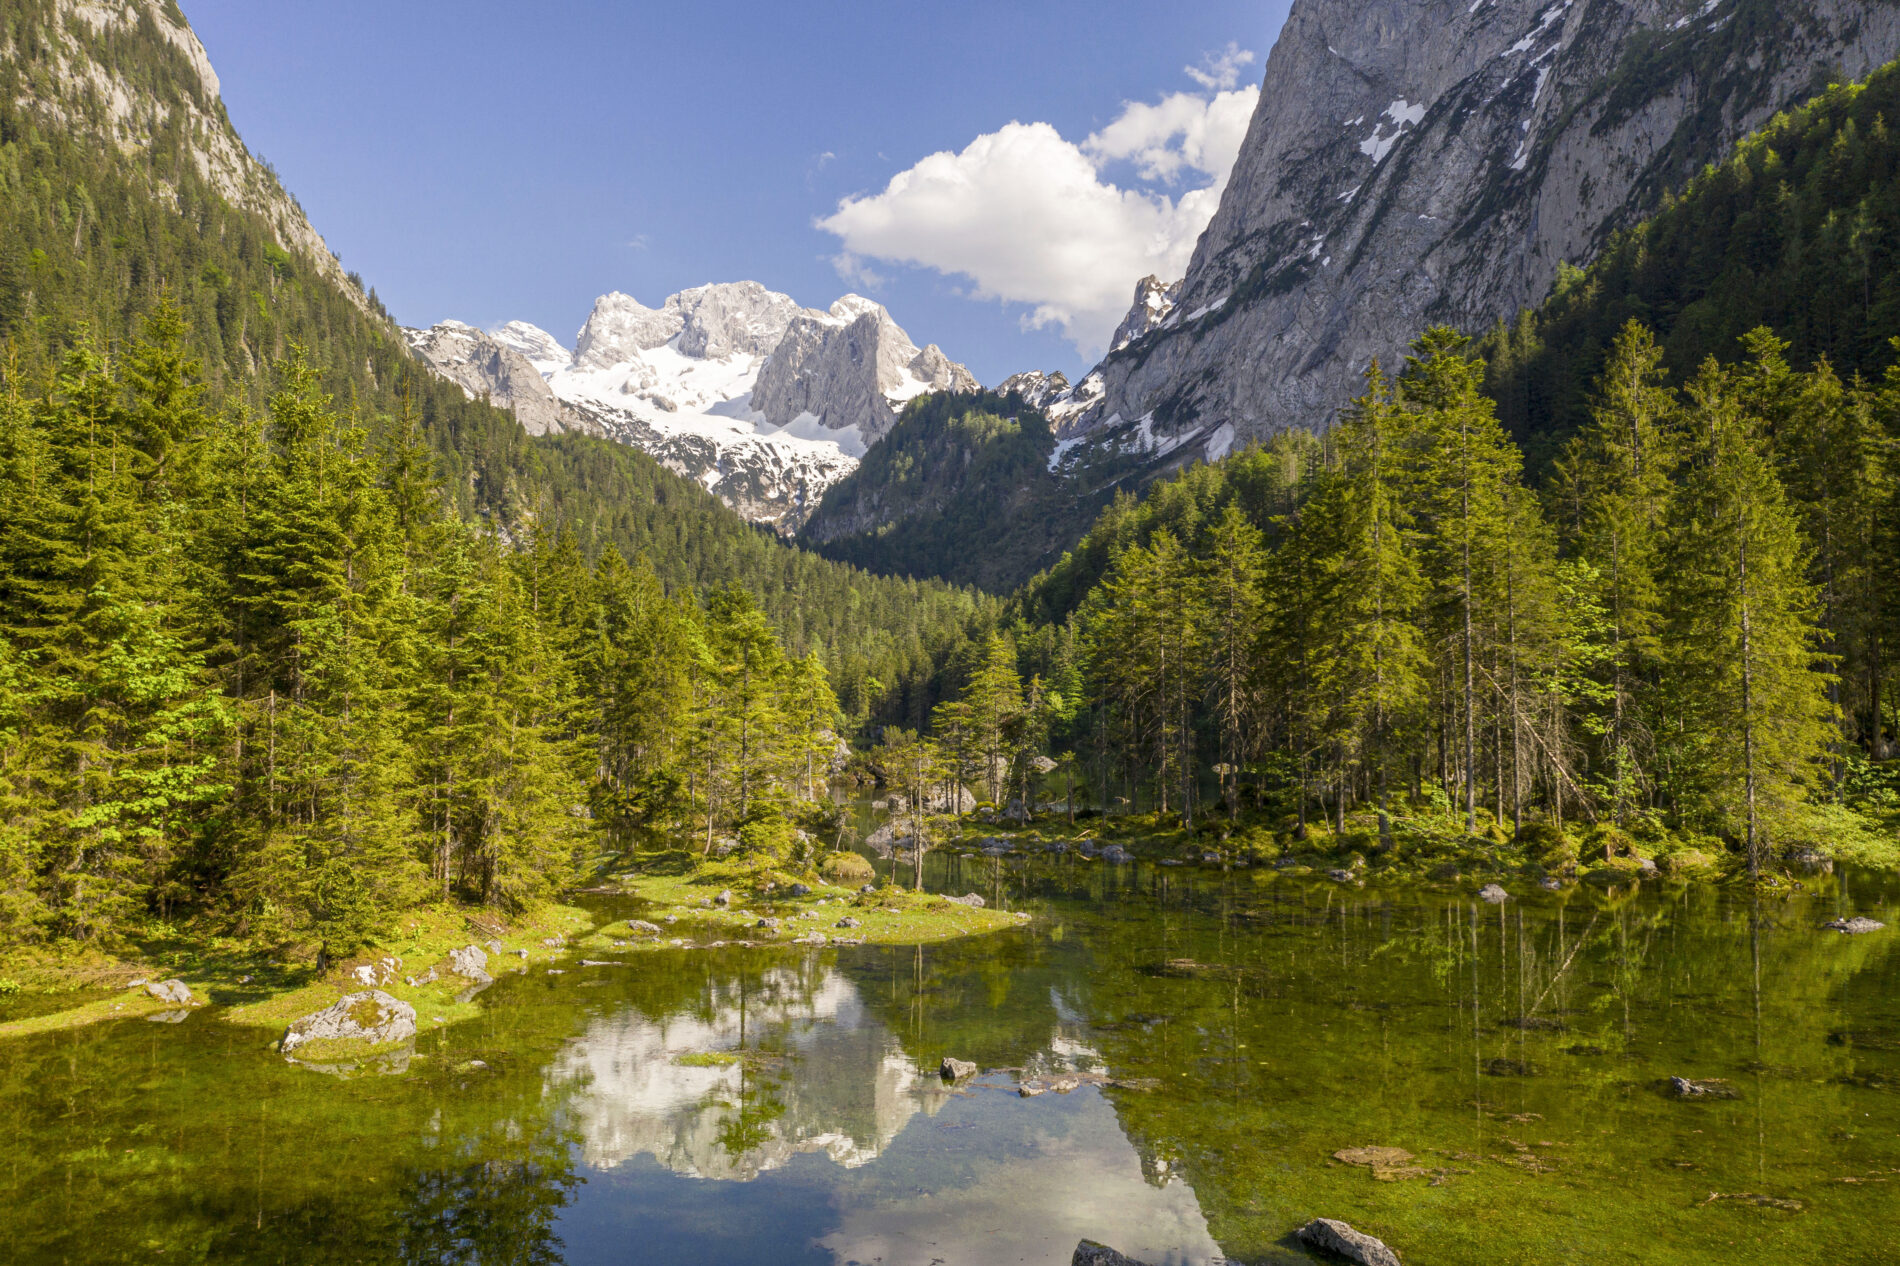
x=1752, y=696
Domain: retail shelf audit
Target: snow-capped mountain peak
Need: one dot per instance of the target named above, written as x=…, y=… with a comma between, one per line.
x=542, y=349
x=763, y=401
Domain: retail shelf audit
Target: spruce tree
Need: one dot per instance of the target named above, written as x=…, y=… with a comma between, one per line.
x=1743, y=632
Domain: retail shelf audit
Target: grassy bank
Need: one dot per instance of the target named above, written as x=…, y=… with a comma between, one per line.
x=66, y=987
x=1425, y=848
x=765, y=907
x=46, y=989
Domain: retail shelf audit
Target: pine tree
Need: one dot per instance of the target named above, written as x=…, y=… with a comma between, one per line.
x=1613, y=487
x=1743, y=633
x=1370, y=667
x=1464, y=463
x=1234, y=572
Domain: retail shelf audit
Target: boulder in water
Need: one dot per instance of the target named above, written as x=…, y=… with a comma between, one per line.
x=1089, y=1253
x=956, y=1069
x=1855, y=926
x=1355, y=1246
x=1494, y=894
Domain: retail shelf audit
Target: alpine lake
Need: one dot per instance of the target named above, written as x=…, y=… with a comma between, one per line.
x=1214, y=1057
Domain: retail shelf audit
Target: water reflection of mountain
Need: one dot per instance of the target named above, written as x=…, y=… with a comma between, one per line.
x=819, y=1073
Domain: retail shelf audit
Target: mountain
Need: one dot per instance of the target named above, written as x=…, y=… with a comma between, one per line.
x=486, y=367
x=1799, y=231
x=968, y=487
x=123, y=183
x=733, y=386
x=1414, y=162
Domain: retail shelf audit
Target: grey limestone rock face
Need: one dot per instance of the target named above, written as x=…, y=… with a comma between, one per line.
x=370, y=1016
x=709, y=322
x=1155, y=304
x=1355, y=1246
x=1414, y=162
x=485, y=368
x=1036, y=388
x=851, y=367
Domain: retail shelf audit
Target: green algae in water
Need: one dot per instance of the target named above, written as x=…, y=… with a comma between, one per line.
x=1496, y=1080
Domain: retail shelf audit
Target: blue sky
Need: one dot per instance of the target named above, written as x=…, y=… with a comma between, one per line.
x=495, y=161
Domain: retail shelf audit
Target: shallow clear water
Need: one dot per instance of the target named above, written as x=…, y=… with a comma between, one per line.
x=1520, y=1053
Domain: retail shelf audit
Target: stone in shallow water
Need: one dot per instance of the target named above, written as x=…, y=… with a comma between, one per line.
x=1494, y=894
x=1713, y=1088
x=1353, y=1245
x=1855, y=926
x=1089, y=1253
x=370, y=1017
x=1373, y=1156
x=956, y=1069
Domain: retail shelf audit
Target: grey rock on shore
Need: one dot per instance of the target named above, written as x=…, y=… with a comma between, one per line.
x=471, y=963
x=1089, y=1253
x=370, y=1016
x=1355, y=1246
x=175, y=992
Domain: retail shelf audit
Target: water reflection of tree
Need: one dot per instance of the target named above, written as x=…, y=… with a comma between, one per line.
x=488, y=1212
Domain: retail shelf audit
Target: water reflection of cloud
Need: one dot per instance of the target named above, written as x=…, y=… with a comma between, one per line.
x=844, y=1086
x=1028, y=1202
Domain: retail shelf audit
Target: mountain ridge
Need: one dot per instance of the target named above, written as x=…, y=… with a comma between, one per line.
x=1414, y=162
x=763, y=402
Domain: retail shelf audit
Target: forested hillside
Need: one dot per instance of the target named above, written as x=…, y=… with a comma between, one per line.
x=1393, y=634
x=92, y=235
x=960, y=490
x=1799, y=230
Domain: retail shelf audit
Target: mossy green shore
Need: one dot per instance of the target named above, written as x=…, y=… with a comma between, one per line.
x=1432, y=850
x=268, y=989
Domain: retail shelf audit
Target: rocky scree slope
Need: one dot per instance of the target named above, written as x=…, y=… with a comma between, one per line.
x=735, y=386
x=1413, y=162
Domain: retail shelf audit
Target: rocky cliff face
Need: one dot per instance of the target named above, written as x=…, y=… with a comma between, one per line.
x=850, y=369
x=1421, y=161
x=488, y=369
x=762, y=401
x=89, y=88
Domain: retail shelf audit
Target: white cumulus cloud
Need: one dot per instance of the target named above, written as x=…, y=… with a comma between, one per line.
x=1032, y=218
x=1220, y=71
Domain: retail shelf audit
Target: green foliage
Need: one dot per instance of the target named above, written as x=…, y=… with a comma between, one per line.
x=257, y=673
x=847, y=868
x=960, y=489
x=1423, y=646
x=92, y=237
x=1798, y=230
